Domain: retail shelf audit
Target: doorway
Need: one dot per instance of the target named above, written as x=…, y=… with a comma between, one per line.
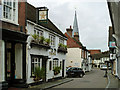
x=14, y=63
x=10, y=63
x=63, y=67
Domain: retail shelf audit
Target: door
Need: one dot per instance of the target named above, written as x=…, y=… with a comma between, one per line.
x=10, y=63
x=63, y=67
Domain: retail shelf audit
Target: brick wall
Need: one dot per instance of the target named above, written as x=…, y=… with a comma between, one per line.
x=21, y=19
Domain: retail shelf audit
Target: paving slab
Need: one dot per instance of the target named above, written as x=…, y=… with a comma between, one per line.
x=52, y=84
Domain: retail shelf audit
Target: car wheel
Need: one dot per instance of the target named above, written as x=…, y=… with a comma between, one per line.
x=80, y=75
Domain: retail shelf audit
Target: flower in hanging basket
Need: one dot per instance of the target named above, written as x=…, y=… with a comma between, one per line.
x=41, y=39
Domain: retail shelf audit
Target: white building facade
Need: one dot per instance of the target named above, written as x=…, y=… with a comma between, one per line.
x=45, y=56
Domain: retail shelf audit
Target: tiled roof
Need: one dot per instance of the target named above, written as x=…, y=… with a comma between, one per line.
x=100, y=55
x=72, y=42
x=31, y=15
x=95, y=51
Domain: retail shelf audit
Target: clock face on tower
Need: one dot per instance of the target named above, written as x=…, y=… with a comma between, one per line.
x=42, y=15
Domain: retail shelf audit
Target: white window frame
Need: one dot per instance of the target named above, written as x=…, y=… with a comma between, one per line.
x=37, y=61
x=36, y=31
x=16, y=12
x=61, y=40
x=55, y=63
x=52, y=39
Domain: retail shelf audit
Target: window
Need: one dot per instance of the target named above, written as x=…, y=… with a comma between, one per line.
x=50, y=65
x=61, y=40
x=52, y=39
x=10, y=10
x=38, y=32
x=55, y=63
x=35, y=62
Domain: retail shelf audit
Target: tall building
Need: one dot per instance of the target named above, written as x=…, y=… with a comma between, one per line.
x=75, y=33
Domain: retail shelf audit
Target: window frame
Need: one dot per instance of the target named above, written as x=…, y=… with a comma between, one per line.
x=55, y=63
x=52, y=39
x=61, y=41
x=38, y=62
x=37, y=30
x=15, y=21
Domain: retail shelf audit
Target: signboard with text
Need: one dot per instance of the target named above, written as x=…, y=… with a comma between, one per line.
x=112, y=44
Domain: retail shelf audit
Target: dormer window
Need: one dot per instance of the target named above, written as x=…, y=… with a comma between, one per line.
x=10, y=10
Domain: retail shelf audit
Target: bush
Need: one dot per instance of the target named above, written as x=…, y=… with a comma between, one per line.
x=39, y=73
x=57, y=70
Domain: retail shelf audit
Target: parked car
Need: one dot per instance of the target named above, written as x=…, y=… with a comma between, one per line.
x=104, y=67
x=74, y=71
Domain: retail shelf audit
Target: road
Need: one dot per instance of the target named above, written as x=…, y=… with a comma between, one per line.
x=92, y=79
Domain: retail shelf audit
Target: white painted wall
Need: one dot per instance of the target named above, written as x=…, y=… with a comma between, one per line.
x=44, y=52
x=74, y=55
x=18, y=61
x=2, y=60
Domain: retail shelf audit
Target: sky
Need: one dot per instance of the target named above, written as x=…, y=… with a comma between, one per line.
x=92, y=16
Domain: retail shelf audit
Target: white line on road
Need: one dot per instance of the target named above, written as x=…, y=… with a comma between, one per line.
x=108, y=83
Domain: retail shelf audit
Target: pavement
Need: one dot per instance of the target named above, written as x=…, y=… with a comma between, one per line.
x=113, y=82
x=48, y=85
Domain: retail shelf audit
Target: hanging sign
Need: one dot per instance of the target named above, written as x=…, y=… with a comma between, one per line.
x=42, y=14
x=112, y=44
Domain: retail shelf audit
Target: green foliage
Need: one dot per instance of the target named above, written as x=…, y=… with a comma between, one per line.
x=39, y=73
x=47, y=40
x=57, y=70
x=42, y=39
x=62, y=45
x=65, y=46
x=35, y=36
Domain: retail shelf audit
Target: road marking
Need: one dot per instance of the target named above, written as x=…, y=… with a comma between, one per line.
x=108, y=82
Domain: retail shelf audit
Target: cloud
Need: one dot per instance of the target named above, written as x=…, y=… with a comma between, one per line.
x=93, y=19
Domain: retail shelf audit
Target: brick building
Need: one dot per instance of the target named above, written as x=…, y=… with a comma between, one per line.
x=13, y=44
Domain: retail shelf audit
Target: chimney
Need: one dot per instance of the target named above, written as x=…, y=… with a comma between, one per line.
x=69, y=30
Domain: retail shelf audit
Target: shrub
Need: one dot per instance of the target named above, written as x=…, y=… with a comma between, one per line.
x=39, y=73
x=57, y=70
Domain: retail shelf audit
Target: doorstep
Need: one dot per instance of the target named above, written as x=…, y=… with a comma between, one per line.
x=48, y=85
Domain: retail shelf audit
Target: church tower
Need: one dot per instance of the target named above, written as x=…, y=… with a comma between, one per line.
x=75, y=33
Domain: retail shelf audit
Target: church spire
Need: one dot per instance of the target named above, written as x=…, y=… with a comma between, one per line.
x=75, y=28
